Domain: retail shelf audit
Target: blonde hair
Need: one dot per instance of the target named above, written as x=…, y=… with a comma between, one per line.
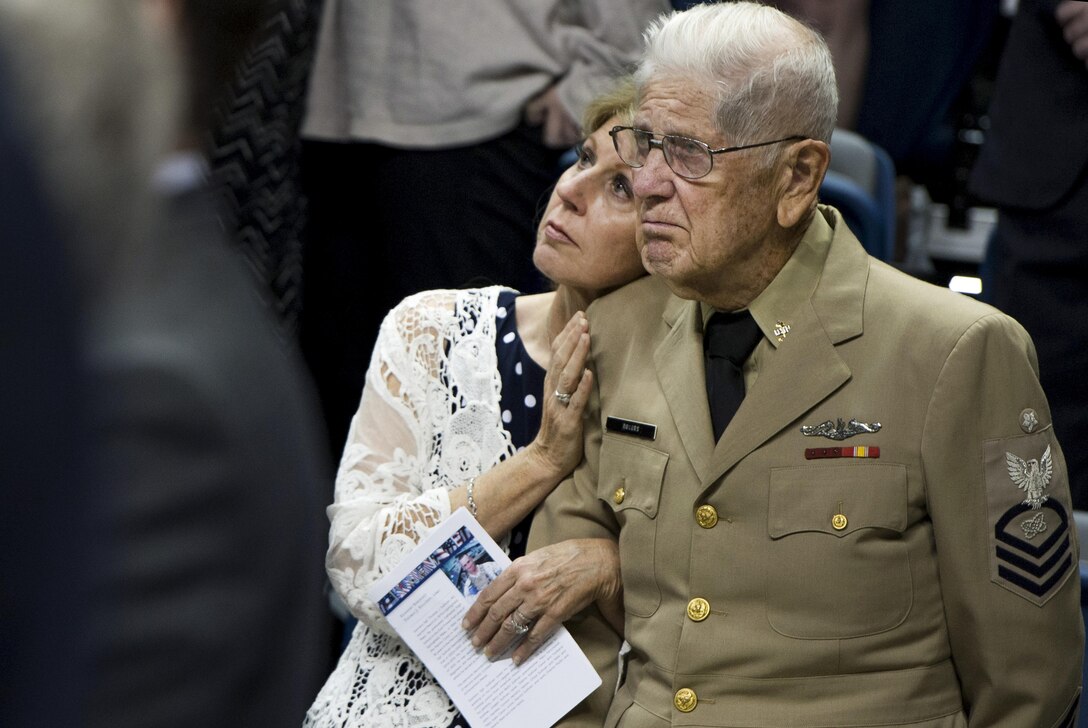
x=617, y=101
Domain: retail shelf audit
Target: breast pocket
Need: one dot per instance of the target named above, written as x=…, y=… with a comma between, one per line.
x=630, y=483
x=839, y=566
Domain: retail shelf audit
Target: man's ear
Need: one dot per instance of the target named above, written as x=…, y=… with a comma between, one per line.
x=805, y=164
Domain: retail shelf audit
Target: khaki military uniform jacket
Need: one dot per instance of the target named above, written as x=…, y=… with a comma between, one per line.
x=920, y=571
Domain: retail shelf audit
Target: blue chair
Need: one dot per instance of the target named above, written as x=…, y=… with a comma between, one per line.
x=861, y=183
x=858, y=209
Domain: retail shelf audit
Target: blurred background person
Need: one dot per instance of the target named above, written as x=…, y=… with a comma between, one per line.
x=1034, y=169
x=474, y=398
x=202, y=602
x=255, y=156
x=434, y=134
x=844, y=24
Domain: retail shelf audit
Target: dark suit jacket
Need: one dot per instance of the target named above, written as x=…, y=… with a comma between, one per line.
x=1036, y=151
x=209, y=609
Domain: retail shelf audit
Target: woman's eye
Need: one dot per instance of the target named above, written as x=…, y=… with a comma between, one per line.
x=585, y=156
x=622, y=186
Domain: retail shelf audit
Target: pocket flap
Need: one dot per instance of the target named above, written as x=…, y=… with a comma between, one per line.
x=837, y=499
x=630, y=475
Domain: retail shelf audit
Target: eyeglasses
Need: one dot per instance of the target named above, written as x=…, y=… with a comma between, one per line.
x=689, y=158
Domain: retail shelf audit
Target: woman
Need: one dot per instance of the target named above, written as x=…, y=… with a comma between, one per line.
x=475, y=398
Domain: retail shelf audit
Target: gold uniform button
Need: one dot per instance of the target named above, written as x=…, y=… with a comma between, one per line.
x=618, y=496
x=706, y=516
x=698, y=609
x=838, y=521
x=685, y=700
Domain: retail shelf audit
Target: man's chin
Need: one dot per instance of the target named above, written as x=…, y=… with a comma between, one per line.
x=665, y=269
x=657, y=255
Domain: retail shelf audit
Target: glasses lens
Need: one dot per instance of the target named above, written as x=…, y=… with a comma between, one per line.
x=687, y=157
x=632, y=145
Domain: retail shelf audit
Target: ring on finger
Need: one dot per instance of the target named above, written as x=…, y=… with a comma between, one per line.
x=519, y=623
x=563, y=397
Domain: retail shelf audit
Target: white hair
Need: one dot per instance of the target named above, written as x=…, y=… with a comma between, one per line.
x=771, y=74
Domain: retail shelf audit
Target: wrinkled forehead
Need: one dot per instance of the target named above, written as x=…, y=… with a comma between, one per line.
x=671, y=105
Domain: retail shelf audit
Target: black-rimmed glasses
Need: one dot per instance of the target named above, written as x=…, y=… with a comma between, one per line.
x=689, y=158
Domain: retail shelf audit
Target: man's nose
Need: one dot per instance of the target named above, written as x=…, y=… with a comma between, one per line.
x=654, y=178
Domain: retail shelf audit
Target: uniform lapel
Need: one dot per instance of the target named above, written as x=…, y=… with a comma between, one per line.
x=804, y=371
x=806, y=368
x=680, y=370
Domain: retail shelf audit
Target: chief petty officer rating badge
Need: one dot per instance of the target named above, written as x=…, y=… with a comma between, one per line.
x=1032, y=552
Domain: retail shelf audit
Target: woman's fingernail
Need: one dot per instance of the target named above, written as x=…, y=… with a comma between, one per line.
x=517, y=660
x=464, y=623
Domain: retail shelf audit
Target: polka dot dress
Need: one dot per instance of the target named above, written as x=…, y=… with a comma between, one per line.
x=522, y=387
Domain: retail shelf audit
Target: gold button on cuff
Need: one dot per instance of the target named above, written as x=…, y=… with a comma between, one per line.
x=706, y=516
x=618, y=496
x=685, y=700
x=838, y=521
x=698, y=609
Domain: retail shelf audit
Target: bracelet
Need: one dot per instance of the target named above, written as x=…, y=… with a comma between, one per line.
x=471, y=501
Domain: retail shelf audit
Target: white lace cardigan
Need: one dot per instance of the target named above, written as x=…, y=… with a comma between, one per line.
x=428, y=421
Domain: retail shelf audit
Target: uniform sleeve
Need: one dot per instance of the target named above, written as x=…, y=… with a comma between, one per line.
x=573, y=511
x=601, y=40
x=998, y=496
x=384, y=502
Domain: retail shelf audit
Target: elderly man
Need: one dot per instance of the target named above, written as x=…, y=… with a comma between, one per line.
x=881, y=533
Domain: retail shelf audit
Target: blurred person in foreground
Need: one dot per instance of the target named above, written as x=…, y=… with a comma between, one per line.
x=204, y=603
x=43, y=395
x=474, y=398
x=838, y=499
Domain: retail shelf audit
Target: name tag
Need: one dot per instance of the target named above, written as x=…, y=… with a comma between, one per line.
x=631, y=427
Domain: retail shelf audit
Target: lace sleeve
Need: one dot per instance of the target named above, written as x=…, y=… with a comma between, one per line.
x=385, y=500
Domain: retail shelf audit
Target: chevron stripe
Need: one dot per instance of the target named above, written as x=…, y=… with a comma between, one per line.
x=1032, y=586
x=1036, y=570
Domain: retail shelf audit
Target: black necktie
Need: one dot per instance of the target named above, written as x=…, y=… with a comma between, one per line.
x=728, y=340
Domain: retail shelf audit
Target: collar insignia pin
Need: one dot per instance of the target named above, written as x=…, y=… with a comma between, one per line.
x=839, y=430
x=781, y=328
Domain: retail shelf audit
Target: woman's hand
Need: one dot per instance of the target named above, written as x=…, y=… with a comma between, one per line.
x=510, y=490
x=557, y=447
x=545, y=588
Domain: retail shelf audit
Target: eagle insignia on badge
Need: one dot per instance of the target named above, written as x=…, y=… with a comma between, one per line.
x=1033, y=526
x=1031, y=476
